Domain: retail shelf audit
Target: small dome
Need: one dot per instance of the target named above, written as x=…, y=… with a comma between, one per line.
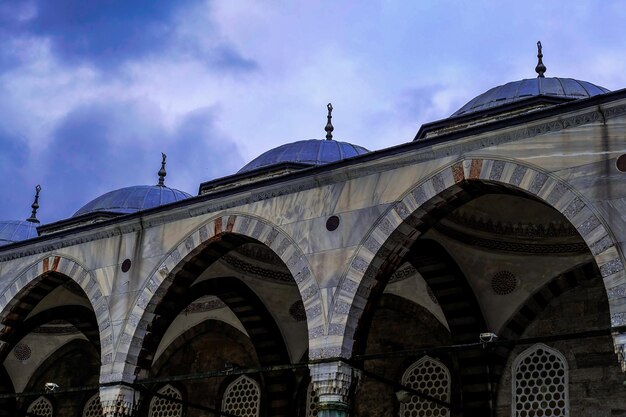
x=12, y=231
x=312, y=152
x=132, y=199
x=567, y=88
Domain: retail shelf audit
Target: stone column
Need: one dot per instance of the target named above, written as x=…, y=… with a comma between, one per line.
x=119, y=400
x=332, y=382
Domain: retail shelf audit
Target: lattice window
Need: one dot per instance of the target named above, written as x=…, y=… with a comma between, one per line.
x=93, y=408
x=40, y=407
x=162, y=407
x=540, y=383
x=431, y=377
x=311, y=402
x=242, y=398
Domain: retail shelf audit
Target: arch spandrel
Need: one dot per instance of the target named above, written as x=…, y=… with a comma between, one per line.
x=161, y=278
x=395, y=232
x=77, y=272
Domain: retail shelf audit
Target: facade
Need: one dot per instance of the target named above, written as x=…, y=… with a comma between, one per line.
x=477, y=270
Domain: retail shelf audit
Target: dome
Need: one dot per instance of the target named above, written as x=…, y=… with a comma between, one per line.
x=566, y=88
x=133, y=199
x=12, y=231
x=312, y=152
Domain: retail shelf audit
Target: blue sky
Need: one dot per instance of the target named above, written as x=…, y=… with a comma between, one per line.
x=92, y=92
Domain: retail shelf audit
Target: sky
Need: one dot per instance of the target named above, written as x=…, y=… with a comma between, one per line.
x=92, y=92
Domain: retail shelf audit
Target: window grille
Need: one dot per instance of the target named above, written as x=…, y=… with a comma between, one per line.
x=161, y=407
x=431, y=377
x=311, y=402
x=40, y=407
x=93, y=408
x=540, y=383
x=242, y=397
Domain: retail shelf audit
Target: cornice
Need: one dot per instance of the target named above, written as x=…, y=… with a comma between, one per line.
x=514, y=246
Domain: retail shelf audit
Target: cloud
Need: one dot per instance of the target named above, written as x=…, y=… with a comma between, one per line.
x=104, y=31
x=104, y=146
x=109, y=33
x=17, y=191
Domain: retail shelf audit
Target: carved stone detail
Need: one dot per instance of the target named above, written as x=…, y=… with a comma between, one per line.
x=332, y=381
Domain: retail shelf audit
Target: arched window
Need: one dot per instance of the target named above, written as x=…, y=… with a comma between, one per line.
x=162, y=407
x=311, y=402
x=93, y=408
x=431, y=377
x=242, y=397
x=41, y=407
x=540, y=383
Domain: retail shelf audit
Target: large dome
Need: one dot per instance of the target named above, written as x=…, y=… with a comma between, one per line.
x=133, y=199
x=312, y=152
x=567, y=88
x=12, y=231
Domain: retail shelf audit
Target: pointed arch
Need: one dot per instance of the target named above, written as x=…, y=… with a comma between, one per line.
x=53, y=270
x=392, y=236
x=222, y=230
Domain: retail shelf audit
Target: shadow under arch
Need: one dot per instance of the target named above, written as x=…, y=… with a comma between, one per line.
x=397, y=312
x=71, y=401
x=535, y=304
x=245, y=304
x=7, y=405
x=209, y=325
x=82, y=318
x=263, y=331
x=163, y=361
x=461, y=309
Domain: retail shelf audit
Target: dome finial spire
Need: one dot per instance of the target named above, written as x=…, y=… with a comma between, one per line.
x=35, y=206
x=162, y=172
x=540, y=68
x=329, y=126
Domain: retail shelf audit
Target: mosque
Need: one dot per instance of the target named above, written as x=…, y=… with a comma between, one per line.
x=476, y=270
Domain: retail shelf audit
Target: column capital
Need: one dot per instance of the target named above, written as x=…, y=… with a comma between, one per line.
x=332, y=382
x=119, y=400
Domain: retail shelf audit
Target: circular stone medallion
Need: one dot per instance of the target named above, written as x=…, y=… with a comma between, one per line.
x=503, y=282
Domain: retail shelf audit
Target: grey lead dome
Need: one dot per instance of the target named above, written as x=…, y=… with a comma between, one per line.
x=312, y=152
x=568, y=88
x=132, y=199
x=12, y=231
